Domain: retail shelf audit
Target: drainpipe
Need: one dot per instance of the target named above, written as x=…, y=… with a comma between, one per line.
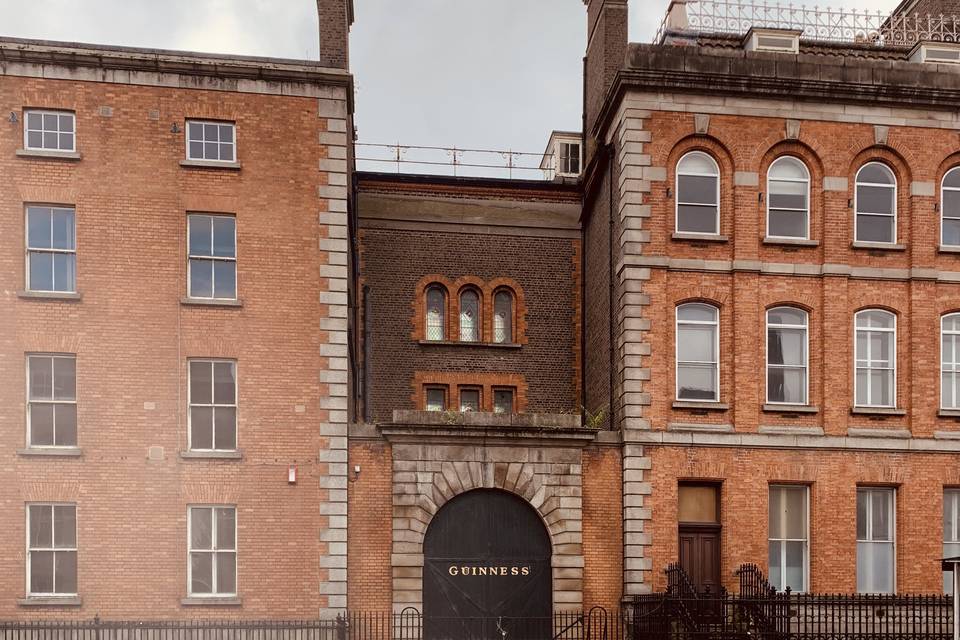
x=367, y=355
x=610, y=292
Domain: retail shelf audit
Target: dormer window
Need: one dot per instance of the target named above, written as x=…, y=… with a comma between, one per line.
x=936, y=52
x=774, y=40
x=563, y=157
x=569, y=159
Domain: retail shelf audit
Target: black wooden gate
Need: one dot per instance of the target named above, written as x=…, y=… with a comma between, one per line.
x=487, y=570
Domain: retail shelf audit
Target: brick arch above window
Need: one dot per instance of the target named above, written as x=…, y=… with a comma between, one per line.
x=453, y=288
x=419, y=305
x=721, y=156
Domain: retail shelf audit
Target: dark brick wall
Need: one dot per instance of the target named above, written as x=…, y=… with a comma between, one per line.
x=394, y=261
x=334, y=33
x=606, y=52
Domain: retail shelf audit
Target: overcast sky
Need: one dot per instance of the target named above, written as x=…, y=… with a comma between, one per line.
x=471, y=73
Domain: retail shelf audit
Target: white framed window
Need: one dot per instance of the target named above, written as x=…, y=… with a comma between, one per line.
x=51, y=549
x=212, y=551
x=436, y=398
x=212, y=256
x=875, y=204
x=876, y=540
x=950, y=208
x=503, y=317
x=698, y=352
x=950, y=361
x=503, y=400
x=51, y=249
x=698, y=194
x=876, y=358
x=569, y=158
x=469, y=399
x=787, y=356
x=469, y=316
x=951, y=532
x=212, y=398
x=49, y=130
x=788, y=199
x=211, y=141
x=51, y=400
x=789, y=533
x=436, y=313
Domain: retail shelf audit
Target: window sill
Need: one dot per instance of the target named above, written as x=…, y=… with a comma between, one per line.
x=64, y=296
x=701, y=406
x=211, y=302
x=210, y=164
x=50, y=601
x=792, y=242
x=877, y=411
x=949, y=413
x=49, y=155
x=454, y=343
x=790, y=408
x=881, y=246
x=945, y=248
x=699, y=237
x=211, y=455
x=211, y=601
x=55, y=452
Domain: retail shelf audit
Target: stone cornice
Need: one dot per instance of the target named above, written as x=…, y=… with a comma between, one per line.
x=853, y=441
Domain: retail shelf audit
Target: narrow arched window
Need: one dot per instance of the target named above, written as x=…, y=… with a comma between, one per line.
x=436, y=313
x=950, y=209
x=503, y=317
x=698, y=361
x=469, y=316
x=788, y=199
x=787, y=356
x=875, y=204
x=950, y=362
x=876, y=358
x=698, y=194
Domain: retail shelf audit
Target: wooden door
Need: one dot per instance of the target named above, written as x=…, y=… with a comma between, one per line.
x=700, y=556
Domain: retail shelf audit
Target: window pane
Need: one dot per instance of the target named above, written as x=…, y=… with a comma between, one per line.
x=949, y=551
x=790, y=384
x=469, y=312
x=41, y=425
x=201, y=528
x=226, y=152
x=66, y=572
x=696, y=382
x=225, y=426
x=775, y=513
x=201, y=573
x=64, y=379
x=226, y=573
x=66, y=122
x=41, y=271
x=882, y=503
x=211, y=133
x=794, y=569
x=211, y=151
x=697, y=313
x=196, y=150
x=435, y=314
x=226, y=133
x=951, y=203
x=876, y=173
x=950, y=532
x=697, y=163
x=51, y=140
x=948, y=390
x=195, y=130
x=226, y=525
x=787, y=167
x=34, y=120
x=469, y=400
x=875, y=200
x=66, y=141
x=201, y=278
x=503, y=401
x=875, y=228
x=41, y=526
x=787, y=315
x=64, y=272
x=796, y=509
x=697, y=219
x=34, y=139
x=41, y=377
x=39, y=223
x=863, y=500
x=225, y=279
x=224, y=391
x=788, y=224
x=874, y=567
x=224, y=237
x=875, y=318
x=696, y=343
x=435, y=400
x=41, y=571
x=503, y=318
x=787, y=346
x=697, y=503
x=788, y=195
x=952, y=179
x=65, y=431
x=775, y=562
x=951, y=232
x=201, y=238
x=881, y=388
x=63, y=230
x=49, y=122
x=201, y=428
x=697, y=190
x=201, y=382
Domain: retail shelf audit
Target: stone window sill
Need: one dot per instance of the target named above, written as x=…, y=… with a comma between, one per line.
x=791, y=242
x=949, y=413
x=878, y=246
x=946, y=248
x=55, y=452
x=211, y=455
x=877, y=411
x=63, y=296
x=50, y=601
x=49, y=155
x=211, y=601
x=790, y=408
x=699, y=237
x=210, y=302
x=210, y=164
x=700, y=406
x=454, y=343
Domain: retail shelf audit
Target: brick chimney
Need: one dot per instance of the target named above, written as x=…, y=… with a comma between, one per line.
x=336, y=16
x=606, y=54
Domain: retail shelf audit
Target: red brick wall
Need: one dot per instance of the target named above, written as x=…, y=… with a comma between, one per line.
x=132, y=338
x=370, y=542
x=602, y=528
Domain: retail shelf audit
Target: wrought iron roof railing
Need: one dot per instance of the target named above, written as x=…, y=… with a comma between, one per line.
x=737, y=17
x=485, y=163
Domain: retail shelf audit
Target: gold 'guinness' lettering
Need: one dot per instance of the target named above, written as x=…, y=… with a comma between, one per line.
x=455, y=571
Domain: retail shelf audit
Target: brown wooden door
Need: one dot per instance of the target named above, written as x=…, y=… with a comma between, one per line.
x=700, y=556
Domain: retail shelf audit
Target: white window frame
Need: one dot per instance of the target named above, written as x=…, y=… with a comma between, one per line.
x=213, y=550
x=806, y=353
x=219, y=123
x=678, y=203
x=869, y=366
x=952, y=494
x=30, y=402
x=560, y=158
x=75, y=549
x=955, y=361
x=42, y=112
x=235, y=405
x=805, y=540
x=191, y=257
x=806, y=233
x=856, y=201
x=893, y=527
x=32, y=250
x=943, y=207
x=676, y=347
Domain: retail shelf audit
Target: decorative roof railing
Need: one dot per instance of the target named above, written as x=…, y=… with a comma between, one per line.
x=481, y=163
x=815, y=23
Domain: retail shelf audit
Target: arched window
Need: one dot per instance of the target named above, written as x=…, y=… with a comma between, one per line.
x=950, y=209
x=950, y=361
x=788, y=199
x=698, y=347
x=875, y=204
x=436, y=313
x=503, y=317
x=469, y=316
x=698, y=194
x=787, y=356
x=876, y=358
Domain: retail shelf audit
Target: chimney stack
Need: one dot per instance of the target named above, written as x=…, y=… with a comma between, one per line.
x=606, y=55
x=336, y=16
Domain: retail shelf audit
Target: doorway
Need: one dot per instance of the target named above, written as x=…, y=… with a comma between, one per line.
x=699, y=534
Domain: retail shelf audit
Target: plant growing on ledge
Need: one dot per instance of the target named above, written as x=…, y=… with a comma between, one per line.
x=452, y=417
x=595, y=419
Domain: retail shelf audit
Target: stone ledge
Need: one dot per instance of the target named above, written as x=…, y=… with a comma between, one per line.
x=700, y=428
x=457, y=343
x=49, y=155
x=790, y=430
x=63, y=296
x=487, y=419
x=791, y=242
x=790, y=408
x=52, y=452
x=877, y=411
x=868, y=432
x=211, y=601
x=211, y=164
x=700, y=406
x=50, y=601
x=211, y=302
x=698, y=237
x=878, y=246
x=211, y=455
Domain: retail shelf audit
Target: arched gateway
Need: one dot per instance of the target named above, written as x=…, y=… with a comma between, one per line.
x=487, y=564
